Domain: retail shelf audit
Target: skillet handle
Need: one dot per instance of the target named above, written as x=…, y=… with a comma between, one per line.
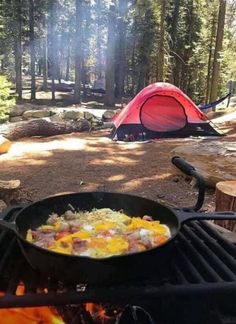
x=187, y=216
x=8, y=212
x=7, y=226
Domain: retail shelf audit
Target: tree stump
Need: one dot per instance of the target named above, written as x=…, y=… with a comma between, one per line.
x=226, y=201
x=12, y=193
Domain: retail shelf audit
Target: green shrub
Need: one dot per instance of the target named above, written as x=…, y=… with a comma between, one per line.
x=6, y=101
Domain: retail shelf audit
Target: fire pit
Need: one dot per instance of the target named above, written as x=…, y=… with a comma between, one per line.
x=204, y=268
x=199, y=285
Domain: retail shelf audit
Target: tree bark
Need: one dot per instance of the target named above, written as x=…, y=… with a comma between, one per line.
x=32, y=48
x=42, y=127
x=209, y=68
x=99, y=40
x=133, y=67
x=173, y=43
x=226, y=201
x=121, y=62
x=161, y=55
x=52, y=37
x=45, y=64
x=218, y=49
x=109, y=99
x=58, y=57
x=67, y=76
x=78, y=51
x=18, y=47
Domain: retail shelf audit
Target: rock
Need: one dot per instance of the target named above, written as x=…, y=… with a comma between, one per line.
x=9, y=185
x=36, y=114
x=107, y=125
x=17, y=111
x=215, y=161
x=5, y=145
x=88, y=115
x=96, y=122
x=15, y=119
x=108, y=115
x=72, y=115
x=57, y=118
x=85, y=125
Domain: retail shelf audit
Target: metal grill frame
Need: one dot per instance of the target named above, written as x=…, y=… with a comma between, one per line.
x=204, y=265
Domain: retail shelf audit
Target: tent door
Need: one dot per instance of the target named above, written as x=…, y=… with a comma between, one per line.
x=162, y=114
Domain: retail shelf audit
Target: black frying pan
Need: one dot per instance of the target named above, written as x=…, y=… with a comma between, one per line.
x=117, y=268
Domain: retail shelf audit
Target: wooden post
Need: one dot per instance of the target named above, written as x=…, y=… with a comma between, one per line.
x=226, y=201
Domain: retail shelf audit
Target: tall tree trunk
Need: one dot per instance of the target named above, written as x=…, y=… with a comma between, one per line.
x=218, y=49
x=53, y=47
x=173, y=77
x=161, y=55
x=58, y=57
x=133, y=67
x=67, y=76
x=99, y=41
x=45, y=56
x=32, y=48
x=83, y=74
x=18, y=47
x=110, y=59
x=78, y=50
x=121, y=62
x=209, y=67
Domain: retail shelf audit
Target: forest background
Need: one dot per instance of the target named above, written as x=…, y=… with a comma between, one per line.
x=189, y=43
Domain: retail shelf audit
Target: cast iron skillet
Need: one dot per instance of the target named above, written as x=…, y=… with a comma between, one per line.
x=74, y=269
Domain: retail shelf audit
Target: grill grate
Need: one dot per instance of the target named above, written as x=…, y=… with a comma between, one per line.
x=204, y=264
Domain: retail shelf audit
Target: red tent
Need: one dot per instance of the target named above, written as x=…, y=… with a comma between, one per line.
x=161, y=110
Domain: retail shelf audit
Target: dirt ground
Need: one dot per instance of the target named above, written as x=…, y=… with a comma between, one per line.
x=90, y=161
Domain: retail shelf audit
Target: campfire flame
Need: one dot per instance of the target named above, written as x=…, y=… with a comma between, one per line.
x=34, y=315
x=49, y=315
x=29, y=315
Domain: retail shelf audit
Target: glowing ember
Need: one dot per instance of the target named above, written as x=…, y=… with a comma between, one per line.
x=102, y=314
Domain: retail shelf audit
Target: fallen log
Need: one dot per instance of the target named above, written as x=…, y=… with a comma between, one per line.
x=42, y=127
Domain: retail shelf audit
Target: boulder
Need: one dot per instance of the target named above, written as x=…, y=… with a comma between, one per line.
x=96, y=122
x=17, y=111
x=15, y=119
x=88, y=115
x=36, y=114
x=57, y=118
x=5, y=145
x=72, y=115
x=215, y=161
x=84, y=124
x=108, y=115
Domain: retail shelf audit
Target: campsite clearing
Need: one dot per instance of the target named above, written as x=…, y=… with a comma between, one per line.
x=91, y=161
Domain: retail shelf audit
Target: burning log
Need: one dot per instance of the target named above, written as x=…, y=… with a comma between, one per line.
x=42, y=127
x=226, y=201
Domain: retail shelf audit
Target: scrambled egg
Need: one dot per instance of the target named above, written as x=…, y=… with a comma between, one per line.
x=104, y=233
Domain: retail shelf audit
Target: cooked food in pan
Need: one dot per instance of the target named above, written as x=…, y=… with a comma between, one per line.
x=100, y=233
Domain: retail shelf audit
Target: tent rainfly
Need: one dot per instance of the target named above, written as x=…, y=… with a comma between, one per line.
x=161, y=110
